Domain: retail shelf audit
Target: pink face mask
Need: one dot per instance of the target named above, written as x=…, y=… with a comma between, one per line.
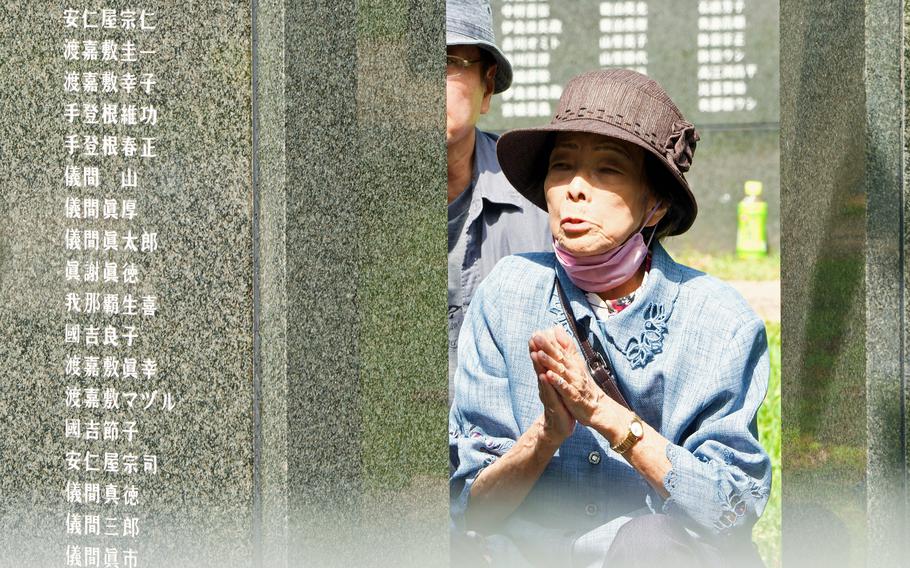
x=610, y=269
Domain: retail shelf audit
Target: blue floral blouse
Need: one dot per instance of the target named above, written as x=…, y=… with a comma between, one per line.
x=692, y=360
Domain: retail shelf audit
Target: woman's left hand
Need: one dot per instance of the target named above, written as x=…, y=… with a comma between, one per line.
x=590, y=405
x=568, y=373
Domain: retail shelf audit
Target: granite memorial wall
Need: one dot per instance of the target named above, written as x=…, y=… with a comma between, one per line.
x=844, y=283
x=222, y=262
x=718, y=59
x=211, y=214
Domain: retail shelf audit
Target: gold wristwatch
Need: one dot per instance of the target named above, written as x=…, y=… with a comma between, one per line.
x=636, y=433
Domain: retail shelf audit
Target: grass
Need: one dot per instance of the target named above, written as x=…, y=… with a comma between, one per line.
x=767, y=532
x=729, y=267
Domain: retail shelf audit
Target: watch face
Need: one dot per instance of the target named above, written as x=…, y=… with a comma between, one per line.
x=636, y=429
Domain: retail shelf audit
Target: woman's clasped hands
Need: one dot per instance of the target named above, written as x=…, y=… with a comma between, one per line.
x=566, y=388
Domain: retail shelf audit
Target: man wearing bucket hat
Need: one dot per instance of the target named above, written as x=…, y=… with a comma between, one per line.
x=606, y=397
x=488, y=219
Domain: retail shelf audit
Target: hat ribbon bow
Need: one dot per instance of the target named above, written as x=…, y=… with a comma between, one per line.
x=681, y=145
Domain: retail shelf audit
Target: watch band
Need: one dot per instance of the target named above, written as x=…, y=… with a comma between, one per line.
x=631, y=438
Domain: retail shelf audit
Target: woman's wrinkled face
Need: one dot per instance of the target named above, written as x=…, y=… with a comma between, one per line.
x=597, y=193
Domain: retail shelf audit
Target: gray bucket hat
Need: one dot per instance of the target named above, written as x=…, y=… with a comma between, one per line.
x=618, y=103
x=470, y=22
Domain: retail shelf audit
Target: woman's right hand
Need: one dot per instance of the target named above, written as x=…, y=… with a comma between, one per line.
x=558, y=422
x=501, y=487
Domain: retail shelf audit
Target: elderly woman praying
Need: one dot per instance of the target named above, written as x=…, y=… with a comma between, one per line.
x=605, y=398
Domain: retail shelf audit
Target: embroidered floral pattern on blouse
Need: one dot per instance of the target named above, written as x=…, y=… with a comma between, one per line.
x=641, y=350
x=735, y=507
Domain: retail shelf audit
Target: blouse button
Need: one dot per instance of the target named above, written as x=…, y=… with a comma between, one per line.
x=594, y=458
x=591, y=509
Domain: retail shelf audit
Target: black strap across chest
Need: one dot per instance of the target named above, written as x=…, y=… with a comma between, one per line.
x=599, y=364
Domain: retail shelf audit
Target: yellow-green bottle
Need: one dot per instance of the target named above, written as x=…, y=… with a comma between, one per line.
x=752, y=214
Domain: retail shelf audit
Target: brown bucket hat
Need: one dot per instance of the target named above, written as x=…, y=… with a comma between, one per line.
x=621, y=104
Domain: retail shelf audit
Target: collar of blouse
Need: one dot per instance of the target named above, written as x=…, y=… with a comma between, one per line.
x=637, y=332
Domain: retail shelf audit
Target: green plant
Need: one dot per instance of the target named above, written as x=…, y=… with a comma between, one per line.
x=729, y=267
